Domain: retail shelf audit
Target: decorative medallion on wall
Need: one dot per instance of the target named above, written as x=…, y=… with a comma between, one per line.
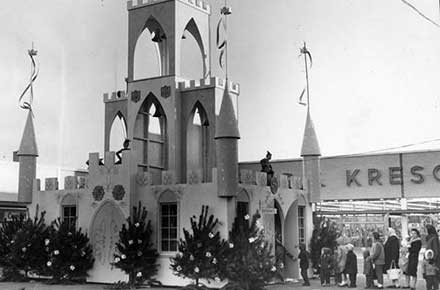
x=194, y=177
x=165, y=91
x=98, y=193
x=118, y=192
x=135, y=96
x=143, y=178
x=274, y=185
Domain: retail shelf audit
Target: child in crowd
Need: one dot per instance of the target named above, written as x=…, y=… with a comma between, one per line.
x=326, y=265
x=351, y=265
x=304, y=263
x=430, y=270
x=403, y=260
x=368, y=270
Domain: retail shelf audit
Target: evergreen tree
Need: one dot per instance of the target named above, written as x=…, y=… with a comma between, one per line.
x=8, y=231
x=250, y=263
x=135, y=253
x=25, y=253
x=69, y=254
x=324, y=234
x=201, y=253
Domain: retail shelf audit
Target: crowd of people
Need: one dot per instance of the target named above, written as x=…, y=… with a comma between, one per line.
x=383, y=255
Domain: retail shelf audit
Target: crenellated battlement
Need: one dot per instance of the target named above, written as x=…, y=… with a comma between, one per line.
x=206, y=83
x=70, y=183
x=260, y=179
x=200, y=5
x=115, y=96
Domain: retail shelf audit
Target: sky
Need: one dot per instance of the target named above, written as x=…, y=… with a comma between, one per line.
x=374, y=82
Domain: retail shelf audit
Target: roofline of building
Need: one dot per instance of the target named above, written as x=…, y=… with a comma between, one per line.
x=354, y=155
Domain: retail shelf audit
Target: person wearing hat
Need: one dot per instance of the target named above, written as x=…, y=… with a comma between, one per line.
x=351, y=265
x=430, y=270
x=392, y=251
x=378, y=259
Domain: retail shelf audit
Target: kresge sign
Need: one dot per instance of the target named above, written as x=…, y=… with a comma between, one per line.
x=412, y=174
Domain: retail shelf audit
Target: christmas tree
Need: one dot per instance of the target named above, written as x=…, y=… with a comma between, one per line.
x=69, y=254
x=201, y=253
x=135, y=253
x=25, y=253
x=8, y=230
x=324, y=234
x=250, y=263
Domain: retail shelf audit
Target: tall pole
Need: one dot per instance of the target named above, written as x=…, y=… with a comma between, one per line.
x=307, y=77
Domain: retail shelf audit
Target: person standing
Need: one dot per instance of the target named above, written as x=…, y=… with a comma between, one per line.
x=304, y=263
x=415, y=244
x=351, y=266
x=432, y=243
x=340, y=259
x=326, y=265
x=392, y=247
x=378, y=259
x=429, y=270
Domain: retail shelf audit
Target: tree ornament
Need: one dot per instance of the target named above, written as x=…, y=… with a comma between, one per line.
x=46, y=242
x=23, y=249
x=196, y=269
x=247, y=217
x=72, y=268
x=117, y=260
x=139, y=242
x=217, y=279
x=208, y=254
x=214, y=261
x=56, y=252
x=137, y=225
x=231, y=245
x=273, y=269
x=191, y=258
x=130, y=242
x=178, y=268
x=139, y=274
x=49, y=263
x=123, y=257
x=211, y=235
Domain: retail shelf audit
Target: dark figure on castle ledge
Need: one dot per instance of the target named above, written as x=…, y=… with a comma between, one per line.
x=266, y=167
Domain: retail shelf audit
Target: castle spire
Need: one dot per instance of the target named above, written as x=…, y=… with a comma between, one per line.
x=28, y=145
x=310, y=146
x=226, y=125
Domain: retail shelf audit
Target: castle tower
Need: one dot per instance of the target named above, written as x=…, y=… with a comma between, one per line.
x=311, y=164
x=27, y=157
x=226, y=137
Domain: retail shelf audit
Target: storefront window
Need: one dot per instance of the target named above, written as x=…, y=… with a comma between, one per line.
x=301, y=224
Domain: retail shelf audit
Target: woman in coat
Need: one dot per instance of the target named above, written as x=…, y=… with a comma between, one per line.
x=392, y=249
x=432, y=243
x=378, y=259
x=415, y=244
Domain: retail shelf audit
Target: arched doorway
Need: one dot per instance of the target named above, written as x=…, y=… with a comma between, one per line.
x=104, y=233
x=291, y=239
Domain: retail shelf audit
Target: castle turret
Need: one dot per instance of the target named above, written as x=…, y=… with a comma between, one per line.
x=311, y=164
x=226, y=136
x=27, y=157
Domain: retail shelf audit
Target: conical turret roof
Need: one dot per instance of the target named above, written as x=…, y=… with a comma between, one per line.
x=310, y=146
x=226, y=125
x=28, y=145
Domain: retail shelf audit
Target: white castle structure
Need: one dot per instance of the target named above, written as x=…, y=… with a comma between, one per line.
x=179, y=168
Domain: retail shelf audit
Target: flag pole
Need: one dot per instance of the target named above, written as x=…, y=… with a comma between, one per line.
x=307, y=78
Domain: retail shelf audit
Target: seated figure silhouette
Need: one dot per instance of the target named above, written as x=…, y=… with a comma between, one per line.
x=267, y=167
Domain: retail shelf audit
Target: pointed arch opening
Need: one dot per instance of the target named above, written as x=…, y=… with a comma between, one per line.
x=197, y=136
x=151, y=55
x=150, y=134
x=193, y=58
x=243, y=201
x=118, y=132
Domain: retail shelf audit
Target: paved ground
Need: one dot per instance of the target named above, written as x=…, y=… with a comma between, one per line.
x=315, y=285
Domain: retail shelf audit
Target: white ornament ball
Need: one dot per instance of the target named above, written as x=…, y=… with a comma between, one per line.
x=123, y=256
x=139, y=274
x=247, y=217
x=208, y=254
x=72, y=268
x=196, y=269
x=56, y=252
x=130, y=242
x=49, y=263
x=46, y=242
x=231, y=245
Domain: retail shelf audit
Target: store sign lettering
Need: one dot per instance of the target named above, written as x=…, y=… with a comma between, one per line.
x=393, y=175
